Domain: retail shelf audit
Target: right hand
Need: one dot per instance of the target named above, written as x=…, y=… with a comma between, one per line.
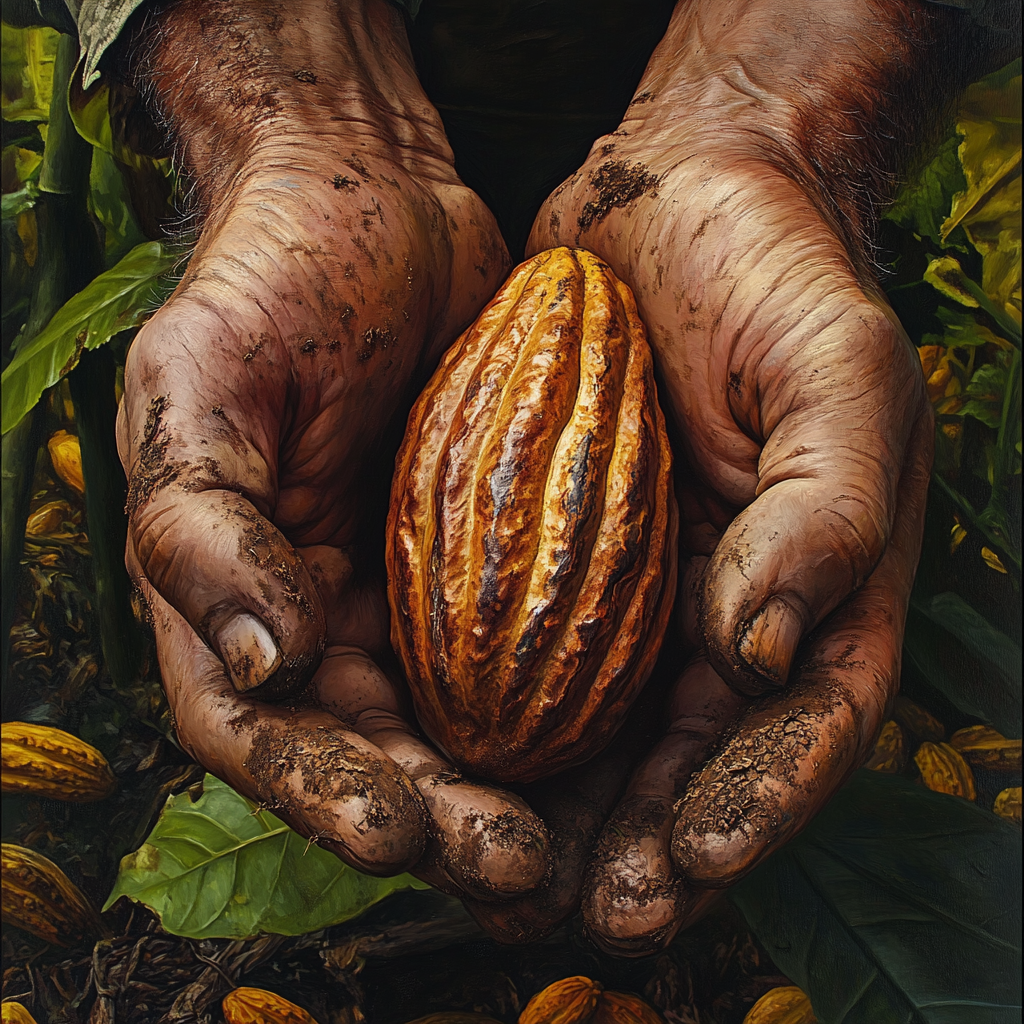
x=340, y=256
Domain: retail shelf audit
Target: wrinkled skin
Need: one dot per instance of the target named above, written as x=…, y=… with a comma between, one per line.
x=340, y=255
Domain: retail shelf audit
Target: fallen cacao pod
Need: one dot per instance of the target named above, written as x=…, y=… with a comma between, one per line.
x=943, y=770
x=1007, y=804
x=983, y=747
x=39, y=898
x=531, y=535
x=623, y=1008
x=890, y=753
x=15, y=1013
x=920, y=725
x=51, y=763
x=579, y=1000
x=257, y=1006
x=66, y=456
x=784, y=1005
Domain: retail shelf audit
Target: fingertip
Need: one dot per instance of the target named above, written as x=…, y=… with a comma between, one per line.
x=714, y=860
x=248, y=650
x=767, y=645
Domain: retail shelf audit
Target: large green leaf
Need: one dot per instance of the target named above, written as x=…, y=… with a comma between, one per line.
x=218, y=868
x=119, y=299
x=967, y=659
x=923, y=204
x=896, y=905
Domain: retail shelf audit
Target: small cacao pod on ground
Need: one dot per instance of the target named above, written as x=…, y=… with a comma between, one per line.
x=51, y=763
x=531, y=536
x=569, y=1001
x=983, y=747
x=784, y=1005
x=920, y=725
x=15, y=1013
x=39, y=898
x=257, y=1006
x=944, y=770
x=890, y=753
x=48, y=519
x=1007, y=804
x=624, y=1008
x=66, y=456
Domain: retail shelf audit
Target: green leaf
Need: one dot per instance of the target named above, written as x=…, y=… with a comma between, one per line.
x=896, y=905
x=218, y=868
x=27, y=70
x=967, y=659
x=119, y=299
x=923, y=204
x=15, y=203
x=947, y=276
x=985, y=395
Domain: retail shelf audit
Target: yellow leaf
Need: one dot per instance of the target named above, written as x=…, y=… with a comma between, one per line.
x=957, y=535
x=28, y=72
x=946, y=275
x=992, y=560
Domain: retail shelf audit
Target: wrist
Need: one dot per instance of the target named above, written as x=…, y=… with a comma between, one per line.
x=244, y=84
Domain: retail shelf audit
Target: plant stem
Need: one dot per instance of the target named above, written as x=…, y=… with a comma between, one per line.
x=92, y=391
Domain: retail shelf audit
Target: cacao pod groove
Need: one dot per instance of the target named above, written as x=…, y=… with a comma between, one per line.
x=47, y=762
x=257, y=1006
x=532, y=530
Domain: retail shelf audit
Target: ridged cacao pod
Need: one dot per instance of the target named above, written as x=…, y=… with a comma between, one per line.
x=983, y=747
x=39, y=898
x=257, y=1006
x=531, y=536
x=15, y=1013
x=1007, y=804
x=569, y=1001
x=890, y=753
x=944, y=770
x=66, y=456
x=920, y=725
x=784, y=1005
x=624, y=1008
x=47, y=762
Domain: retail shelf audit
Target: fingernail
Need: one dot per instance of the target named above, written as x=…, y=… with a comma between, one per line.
x=771, y=640
x=249, y=651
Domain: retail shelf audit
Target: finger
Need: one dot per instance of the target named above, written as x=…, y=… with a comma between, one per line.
x=202, y=483
x=634, y=901
x=485, y=842
x=793, y=750
x=833, y=413
x=574, y=805
x=322, y=779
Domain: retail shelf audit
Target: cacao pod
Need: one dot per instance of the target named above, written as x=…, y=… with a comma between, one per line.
x=531, y=535
x=66, y=456
x=1007, y=804
x=15, y=1013
x=890, y=753
x=983, y=747
x=257, y=1006
x=944, y=770
x=623, y=1008
x=920, y=725
x=48, y=519
x=39, y=898
x=569, y=1001
x=785, y=1005
x=51, y=763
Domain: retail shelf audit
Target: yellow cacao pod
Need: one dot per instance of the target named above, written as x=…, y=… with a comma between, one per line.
x=531, y=535
x=890, y=753
x=48, y=519
x=569, y=1001
x=257, y=1006
x=15, y=1013
x=983, y=747
x=944, y=770
x=47, y=762
x=623, y=1008
x=785, y=1005
x=1007, y=804
x=39, y=898
x=920, y=725
x=66, y=456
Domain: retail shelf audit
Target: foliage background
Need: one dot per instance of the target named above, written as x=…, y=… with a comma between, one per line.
x=898, y=903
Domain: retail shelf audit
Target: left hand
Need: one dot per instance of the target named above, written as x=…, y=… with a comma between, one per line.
x=803, y=439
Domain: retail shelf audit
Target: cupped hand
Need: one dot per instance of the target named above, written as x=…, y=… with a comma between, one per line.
x=340, y=255
x=803, y=443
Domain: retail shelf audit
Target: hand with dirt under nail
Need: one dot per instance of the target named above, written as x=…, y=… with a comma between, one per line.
x=736, y=200
x=339, y=255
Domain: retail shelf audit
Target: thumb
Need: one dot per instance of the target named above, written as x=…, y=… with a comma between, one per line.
x=822, y=518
